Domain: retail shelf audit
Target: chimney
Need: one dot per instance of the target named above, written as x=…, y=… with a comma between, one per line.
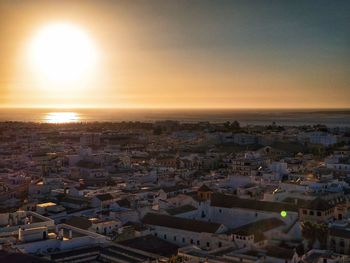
x=20, y=234
x=61, y=234
x=70, y=234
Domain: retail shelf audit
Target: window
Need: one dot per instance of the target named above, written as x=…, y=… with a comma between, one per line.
x=311, y=213
x=319, y=213
x=174, y=238
x=208, y=244
x=191, y=241
x=332, y=243
x=164, y=236
x=342, y=243
x=304, y=212
x=155, y=234
x=219, y=245
x=183, y=240
x=198, y=242
x=220, y=211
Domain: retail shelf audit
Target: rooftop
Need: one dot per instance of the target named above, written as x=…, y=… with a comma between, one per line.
x=230, y=201
x=204, y=188
x=262, y=225
x=180, y=223
x=104, y=197
x=79, y=222
x=152, y=244
x=180, y=209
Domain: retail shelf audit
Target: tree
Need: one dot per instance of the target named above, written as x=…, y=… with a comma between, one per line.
x=235, y=125
x=175, y=259
x=321, y=234
x=157, y=131
x=315, y=232
x=227, y=125
x=309, y=233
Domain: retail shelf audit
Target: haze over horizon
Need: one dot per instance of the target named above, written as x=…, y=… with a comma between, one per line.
x=175, y=54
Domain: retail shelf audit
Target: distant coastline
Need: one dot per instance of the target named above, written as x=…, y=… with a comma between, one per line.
x=289, y=117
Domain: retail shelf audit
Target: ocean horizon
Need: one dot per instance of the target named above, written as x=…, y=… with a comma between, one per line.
x=289, y=117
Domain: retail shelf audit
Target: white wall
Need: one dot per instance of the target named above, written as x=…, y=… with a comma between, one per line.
x=203, y=238
x=236, y=217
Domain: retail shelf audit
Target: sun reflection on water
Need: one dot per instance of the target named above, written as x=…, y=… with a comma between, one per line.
x=61, y=117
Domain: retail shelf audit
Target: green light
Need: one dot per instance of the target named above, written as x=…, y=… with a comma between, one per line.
x=283, y=213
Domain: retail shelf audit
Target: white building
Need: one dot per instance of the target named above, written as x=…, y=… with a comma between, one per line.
x=183, y=231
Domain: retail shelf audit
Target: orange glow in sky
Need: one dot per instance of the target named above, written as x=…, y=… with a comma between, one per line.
x=170, y=54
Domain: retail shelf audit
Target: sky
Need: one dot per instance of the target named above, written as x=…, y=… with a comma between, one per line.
x=185, y=54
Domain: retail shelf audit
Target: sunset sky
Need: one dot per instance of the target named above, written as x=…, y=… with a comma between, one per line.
x=177, y=54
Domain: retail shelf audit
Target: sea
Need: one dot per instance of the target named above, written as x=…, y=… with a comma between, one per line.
x=331, y=118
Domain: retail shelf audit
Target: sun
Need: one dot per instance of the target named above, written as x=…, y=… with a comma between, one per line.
x=61, y=117
x=62, y=52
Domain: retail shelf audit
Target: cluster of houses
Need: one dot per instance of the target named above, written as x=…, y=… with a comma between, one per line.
x=172, y=192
